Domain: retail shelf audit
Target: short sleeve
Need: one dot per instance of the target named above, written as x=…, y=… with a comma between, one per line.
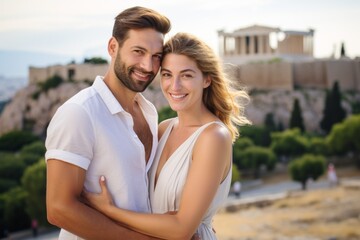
x=70, y=136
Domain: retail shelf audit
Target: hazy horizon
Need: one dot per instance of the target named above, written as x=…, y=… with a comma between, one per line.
x=79, y=29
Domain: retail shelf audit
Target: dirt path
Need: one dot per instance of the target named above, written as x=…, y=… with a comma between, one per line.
x=318, y=214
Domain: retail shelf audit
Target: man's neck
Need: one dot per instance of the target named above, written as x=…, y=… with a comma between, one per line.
x=125, y=97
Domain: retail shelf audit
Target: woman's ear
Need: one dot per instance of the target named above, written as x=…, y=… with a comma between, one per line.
x=112, y=46
x=207, y=81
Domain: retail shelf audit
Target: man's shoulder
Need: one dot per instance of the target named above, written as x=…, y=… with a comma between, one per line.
x=83, y=96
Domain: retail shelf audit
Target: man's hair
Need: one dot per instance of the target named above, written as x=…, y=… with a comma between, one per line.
x=139, y=18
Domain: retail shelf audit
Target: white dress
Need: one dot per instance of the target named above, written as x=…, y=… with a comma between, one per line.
x=168, y=190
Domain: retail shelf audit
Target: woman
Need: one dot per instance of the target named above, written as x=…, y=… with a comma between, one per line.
x=191, y=173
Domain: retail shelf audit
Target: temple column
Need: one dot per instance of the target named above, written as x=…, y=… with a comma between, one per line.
x=252, y=45
x=243, y=45
x=261, y=44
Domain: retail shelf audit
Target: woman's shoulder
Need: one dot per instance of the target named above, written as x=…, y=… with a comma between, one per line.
x=164, y=125
x=215, y=133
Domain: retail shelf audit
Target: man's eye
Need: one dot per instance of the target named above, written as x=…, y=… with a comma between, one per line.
x=158, y=57
x=138, y=52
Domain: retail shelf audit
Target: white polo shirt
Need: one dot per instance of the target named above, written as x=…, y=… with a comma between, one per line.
x=91, y=130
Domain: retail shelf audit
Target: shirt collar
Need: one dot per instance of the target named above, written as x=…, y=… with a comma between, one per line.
x=113, y=104
x=107, y=96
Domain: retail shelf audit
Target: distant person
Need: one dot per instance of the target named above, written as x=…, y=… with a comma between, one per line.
x=237, y=189
x=108, y=129
x=191, y=174
x=34, y=227
x=331, y=175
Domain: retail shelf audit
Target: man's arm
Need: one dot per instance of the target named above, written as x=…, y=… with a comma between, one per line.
x=64, y=209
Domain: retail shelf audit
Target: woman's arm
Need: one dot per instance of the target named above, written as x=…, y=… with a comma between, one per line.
x=211, y=162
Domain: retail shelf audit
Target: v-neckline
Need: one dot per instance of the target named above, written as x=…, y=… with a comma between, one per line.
x=168, y=132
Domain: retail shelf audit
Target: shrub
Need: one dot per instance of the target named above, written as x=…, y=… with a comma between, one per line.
x=166, y=113
x=11, y=167
x=239, y=146
x=344, y=137
x=235, y=174
x=52, y=82
x=254, y=157
x=318, y=146
x=259, y=135
x=34, y=183
x=307, y=167
x=289, y=143
x=15, y=216
x=7, y=184
x=15, y=140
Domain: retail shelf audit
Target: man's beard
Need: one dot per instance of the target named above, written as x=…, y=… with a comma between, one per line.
x=123, y=73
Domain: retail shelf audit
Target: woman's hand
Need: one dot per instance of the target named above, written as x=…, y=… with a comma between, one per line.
x=101, y=201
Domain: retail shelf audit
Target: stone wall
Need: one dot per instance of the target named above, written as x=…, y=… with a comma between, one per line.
x=76, y=72
x=320, y=74
x=269, y=76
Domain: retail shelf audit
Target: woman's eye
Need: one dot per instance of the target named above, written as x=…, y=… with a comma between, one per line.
x=165, y=75
x=186, y=76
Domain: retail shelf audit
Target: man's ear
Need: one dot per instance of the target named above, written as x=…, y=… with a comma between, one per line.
x=112, y=46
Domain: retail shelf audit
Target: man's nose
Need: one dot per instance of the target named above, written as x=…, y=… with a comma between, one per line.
x=147, y=64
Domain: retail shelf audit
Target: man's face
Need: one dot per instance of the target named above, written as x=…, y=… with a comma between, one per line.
x=138, y=59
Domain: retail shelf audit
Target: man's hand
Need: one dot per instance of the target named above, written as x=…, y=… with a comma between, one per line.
x=196, y=237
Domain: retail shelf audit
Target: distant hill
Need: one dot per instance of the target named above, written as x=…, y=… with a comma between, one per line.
x=16, y=63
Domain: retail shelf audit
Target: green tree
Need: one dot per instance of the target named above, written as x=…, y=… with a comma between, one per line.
x=15, y=216
x=344, y=137
x=52, y=82
x=37, y=148
x=15, y=140
x=236, y=175
x=3, y=226
x=342, y=50
x=289, y=143
x=318, y=146
x=333, y=112
x=254, y=157
x=270, y=122
x=34, y=183
x=11, y=167
x=7, y=184
x=95, y=60
x=31, y=153
x=166, y=113
x=307, y=167
x=239, y=146
x=296, y=119
x=260, y=135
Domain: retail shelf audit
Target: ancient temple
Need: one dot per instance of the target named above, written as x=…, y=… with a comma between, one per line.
x=259, y=43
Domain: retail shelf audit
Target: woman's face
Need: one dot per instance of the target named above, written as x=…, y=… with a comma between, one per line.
x=182, y=82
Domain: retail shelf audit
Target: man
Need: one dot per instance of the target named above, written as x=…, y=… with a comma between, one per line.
x=107, y=129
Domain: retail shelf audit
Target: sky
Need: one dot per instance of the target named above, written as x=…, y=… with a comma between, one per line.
x=82, y=28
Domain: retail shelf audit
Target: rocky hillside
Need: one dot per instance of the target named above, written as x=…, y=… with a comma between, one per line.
x=32, y=109
x=280, y=104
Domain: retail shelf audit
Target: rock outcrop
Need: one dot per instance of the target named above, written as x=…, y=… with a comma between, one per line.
x=32, y=110
x=27, y=112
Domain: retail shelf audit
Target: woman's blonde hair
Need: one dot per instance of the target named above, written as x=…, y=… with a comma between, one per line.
x=221, y=98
